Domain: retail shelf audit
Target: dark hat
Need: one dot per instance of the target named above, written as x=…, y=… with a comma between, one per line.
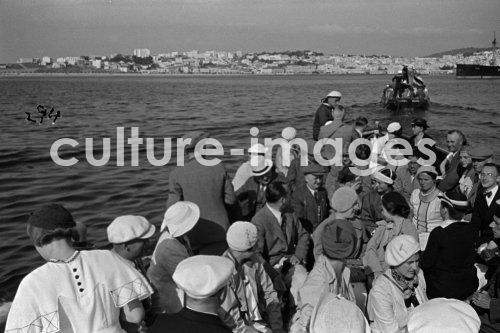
x=339, y=239
x=313, y=168
x=480, y=152
x=421, y=122
x=52, y=216
x=195, y=136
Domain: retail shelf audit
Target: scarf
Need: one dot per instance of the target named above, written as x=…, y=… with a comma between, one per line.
x=407, y=287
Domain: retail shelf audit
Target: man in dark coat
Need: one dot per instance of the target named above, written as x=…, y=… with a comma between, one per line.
x=448, y=259
x=310, y=201
x=324, y=112
x=203, y=280
x=455, y=140
x=211, y=189
x=487, y=300
x=486, y=202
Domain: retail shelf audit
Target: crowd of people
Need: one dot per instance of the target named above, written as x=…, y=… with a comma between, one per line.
x=285, y=247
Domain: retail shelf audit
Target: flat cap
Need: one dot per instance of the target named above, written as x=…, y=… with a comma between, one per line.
x=314, y=168
x=129, y=227
x=480, y=152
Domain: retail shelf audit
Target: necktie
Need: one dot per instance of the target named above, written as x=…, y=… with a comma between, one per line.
x=283, y=226
x=488, y=194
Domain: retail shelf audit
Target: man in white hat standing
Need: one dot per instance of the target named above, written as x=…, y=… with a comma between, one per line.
x=203, y=280
x=258, y=301
x=257, y=151
x=324, y=112
x=173, y=246
x=210, y=188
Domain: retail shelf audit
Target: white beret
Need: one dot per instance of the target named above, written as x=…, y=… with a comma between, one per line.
x=445, y=316
x=400, y=249
x=337, y=315
x=241, y=236
x=393, y=127
x=288, y=133
x=202, y=276
x=129, y=227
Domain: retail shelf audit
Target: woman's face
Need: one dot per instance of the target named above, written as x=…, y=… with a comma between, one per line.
x=409, y=268
x=380, y=186
x=425, y=181
x=387, y=216
x=465, y=159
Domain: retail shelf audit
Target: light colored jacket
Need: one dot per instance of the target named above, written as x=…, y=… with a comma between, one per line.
x=322, y=279
x=269, y=305
x=386, y=308
x=374, y=258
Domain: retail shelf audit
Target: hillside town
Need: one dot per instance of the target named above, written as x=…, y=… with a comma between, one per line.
x=224, y=62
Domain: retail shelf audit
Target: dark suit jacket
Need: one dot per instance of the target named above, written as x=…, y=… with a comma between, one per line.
x=273, y=244
x=323, y=114
x=448, y=262
x=482, y=216
x=188, y=321
x=249, y=199
x=309, y=211
x=451, y=178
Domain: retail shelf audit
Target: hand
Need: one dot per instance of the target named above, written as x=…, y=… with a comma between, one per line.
x=481, y=299
x=294, y=260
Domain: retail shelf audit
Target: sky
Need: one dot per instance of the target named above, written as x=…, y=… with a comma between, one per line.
x=56, y=28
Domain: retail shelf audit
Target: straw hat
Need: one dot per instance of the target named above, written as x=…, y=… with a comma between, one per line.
x=180, y=218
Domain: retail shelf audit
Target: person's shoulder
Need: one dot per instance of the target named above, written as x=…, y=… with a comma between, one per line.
x=165, y=322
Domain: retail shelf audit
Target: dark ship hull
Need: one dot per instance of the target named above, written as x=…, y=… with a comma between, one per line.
x=477, y=72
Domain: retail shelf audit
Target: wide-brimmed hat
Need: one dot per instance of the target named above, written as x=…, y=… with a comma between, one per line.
x=202, y=276
x=378, y=174
x=263, y=166
x=129, y=227
x=258, y=148
x=400, y=249
x=420, y=122
x=314, y=168
x=181, y=217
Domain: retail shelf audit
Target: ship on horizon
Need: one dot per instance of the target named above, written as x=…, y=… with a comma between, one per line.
x=477, y=71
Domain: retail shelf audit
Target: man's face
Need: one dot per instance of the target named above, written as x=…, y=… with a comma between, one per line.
x=379, y=186
x=314, y=181
x=413, y=164
x=453, y=142
x=416, y=129
x=333, y=101
x=488, y=177
x=495, y=227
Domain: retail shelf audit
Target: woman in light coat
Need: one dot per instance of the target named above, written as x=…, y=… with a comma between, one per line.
x=425, y=204
x=399, y=289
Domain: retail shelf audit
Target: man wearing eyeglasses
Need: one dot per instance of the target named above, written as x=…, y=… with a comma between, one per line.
x=486, y=202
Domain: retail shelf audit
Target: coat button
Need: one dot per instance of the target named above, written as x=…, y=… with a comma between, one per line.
x=74, y=269
x=81, y=290
x=79, y=283
x=77, y=276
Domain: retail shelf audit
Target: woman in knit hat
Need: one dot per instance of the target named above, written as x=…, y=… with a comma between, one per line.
x=396, y=222
x=75, y=291
x=330, y=273
x=425, y=203
x=399, y=289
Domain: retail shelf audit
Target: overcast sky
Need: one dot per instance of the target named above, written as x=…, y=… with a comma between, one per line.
x=34, y=28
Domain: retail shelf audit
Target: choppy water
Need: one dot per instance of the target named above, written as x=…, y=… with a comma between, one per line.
x=167, y=107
